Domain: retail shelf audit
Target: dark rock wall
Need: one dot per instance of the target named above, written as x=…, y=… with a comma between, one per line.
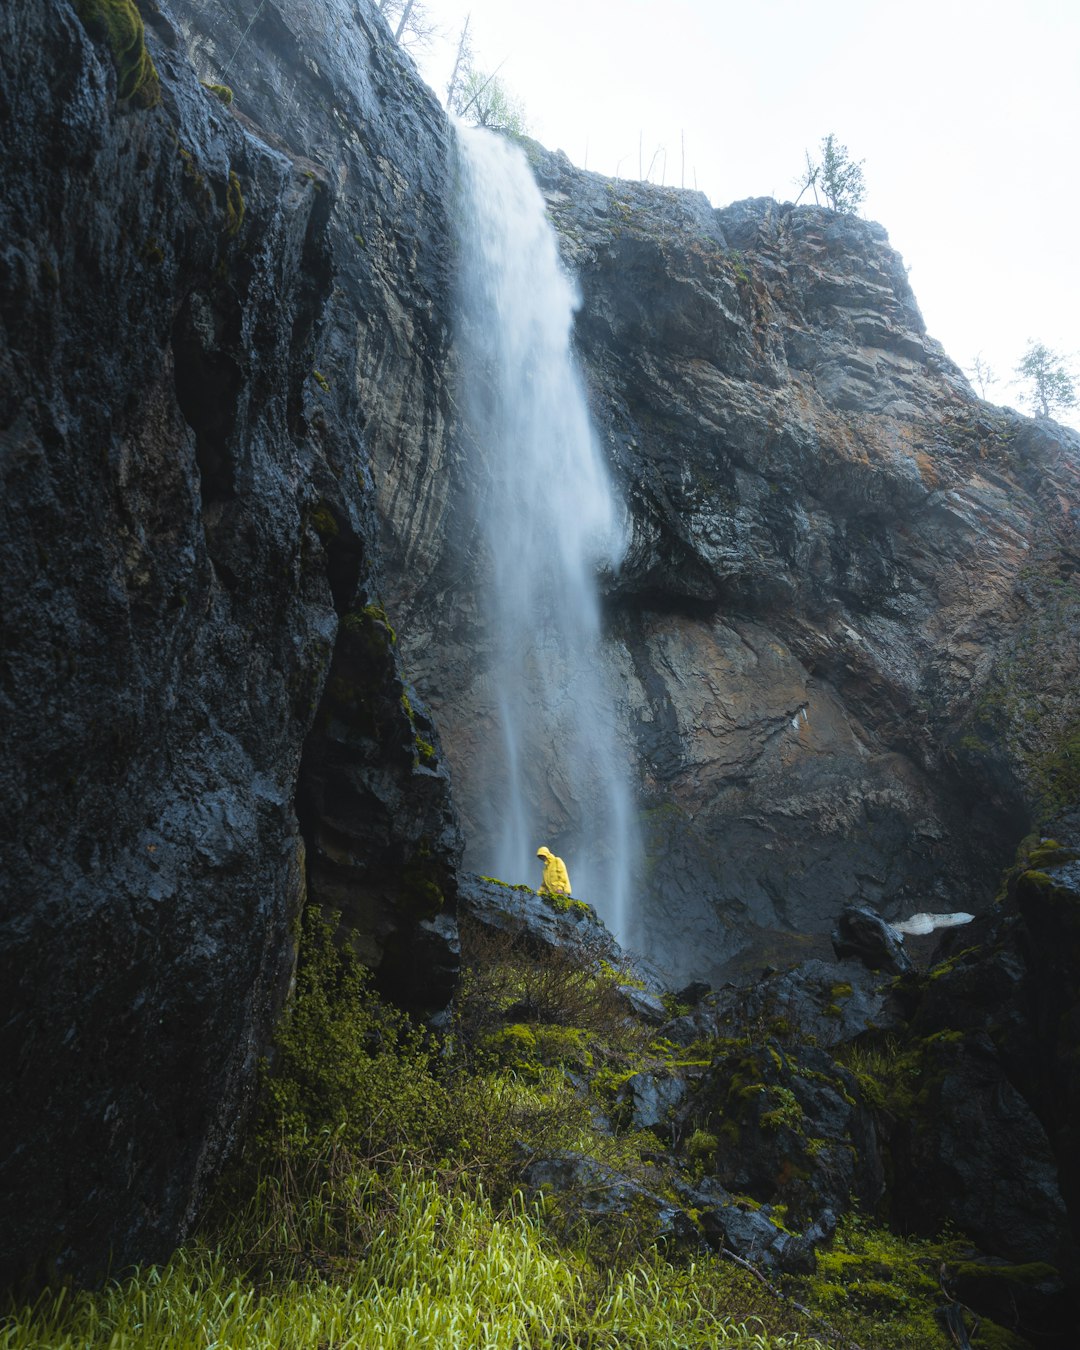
x=190, y=577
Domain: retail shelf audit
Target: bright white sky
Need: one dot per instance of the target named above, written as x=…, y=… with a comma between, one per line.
x=966, y=113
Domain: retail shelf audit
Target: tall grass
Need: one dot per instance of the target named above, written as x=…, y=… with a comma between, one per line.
x=437, y=1269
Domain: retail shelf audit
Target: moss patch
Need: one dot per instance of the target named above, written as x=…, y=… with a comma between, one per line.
x=219, y=91
x=119, y=24
x=234, y=206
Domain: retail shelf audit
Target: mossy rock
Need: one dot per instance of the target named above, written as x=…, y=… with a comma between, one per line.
x=1056, y=773
x=326, y=526
x=359, y=621
x=508, y=885
x=566, y=904
x=119, y=23
x=222, y=92
x=234, y=206
x=421, y=895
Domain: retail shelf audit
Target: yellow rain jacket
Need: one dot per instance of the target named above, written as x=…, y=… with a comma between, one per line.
x=556, y=877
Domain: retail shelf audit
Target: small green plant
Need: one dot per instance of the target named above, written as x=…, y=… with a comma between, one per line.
x=735, y=257
x=701, y=1147
x=347, y=1066
x=784, y=1110
x=219, y=91
x=837, y=174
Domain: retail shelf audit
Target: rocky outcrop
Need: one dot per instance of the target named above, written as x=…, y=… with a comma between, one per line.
x=754, y=1121
x=995, y=1134
x=204, y=713
x=861, y=933
x=844, y=634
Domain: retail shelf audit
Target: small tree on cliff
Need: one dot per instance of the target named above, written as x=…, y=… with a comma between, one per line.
x=485, y=101
x=463, y=60
x=409, y=21
x=982, y=373
x=1049, y=383
x=837, y=174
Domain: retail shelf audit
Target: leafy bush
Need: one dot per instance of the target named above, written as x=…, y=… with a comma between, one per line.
x=347, y=1065
x=508, y=978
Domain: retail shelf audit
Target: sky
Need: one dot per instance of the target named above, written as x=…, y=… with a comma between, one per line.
x=966, y=115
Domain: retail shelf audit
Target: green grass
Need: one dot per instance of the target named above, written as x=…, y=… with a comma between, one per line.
x=378, y=1200
x=430, y=1265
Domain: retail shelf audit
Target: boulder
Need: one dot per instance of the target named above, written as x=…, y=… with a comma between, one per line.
x=864, y=936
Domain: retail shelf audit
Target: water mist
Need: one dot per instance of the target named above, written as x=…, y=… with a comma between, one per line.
x=546, y=511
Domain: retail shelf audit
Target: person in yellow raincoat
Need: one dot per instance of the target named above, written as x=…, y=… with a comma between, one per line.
x=556, y=878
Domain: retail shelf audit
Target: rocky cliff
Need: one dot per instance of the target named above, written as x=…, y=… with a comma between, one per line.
x=204, y=711
x=844, y=632
x=233, y=577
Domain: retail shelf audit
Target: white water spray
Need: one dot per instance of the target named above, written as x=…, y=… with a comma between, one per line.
x=546, y=509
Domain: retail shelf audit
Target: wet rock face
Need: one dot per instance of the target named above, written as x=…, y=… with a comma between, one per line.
x=835, y=550
x=1002, y=1092
x=186, y=528
x=846, y=578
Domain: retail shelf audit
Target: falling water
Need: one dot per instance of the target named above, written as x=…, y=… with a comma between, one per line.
x=546, y=509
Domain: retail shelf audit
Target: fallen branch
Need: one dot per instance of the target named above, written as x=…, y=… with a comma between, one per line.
x=833, y=1335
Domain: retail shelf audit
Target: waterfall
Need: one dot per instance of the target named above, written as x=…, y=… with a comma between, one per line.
x=557, y=772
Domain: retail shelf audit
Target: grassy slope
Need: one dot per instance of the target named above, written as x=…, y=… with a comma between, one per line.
x=378, y=1203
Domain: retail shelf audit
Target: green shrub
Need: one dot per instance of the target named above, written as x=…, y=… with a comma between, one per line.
x=347, y=1065
x=507, y=977
x=219, y=91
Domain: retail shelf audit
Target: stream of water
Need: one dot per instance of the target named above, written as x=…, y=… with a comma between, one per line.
x=550, y=520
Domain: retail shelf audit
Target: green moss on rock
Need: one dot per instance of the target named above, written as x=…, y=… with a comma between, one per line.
x=234, y=206
x=219, y=91
x=326, y=527
x=119, y=23
x=1056, y=772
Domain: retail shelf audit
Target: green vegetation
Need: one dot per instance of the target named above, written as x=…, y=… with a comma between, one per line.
x=359, y=621
x=349, y=1067
x=118, y=22
x=566, y=904
x=1056, y=771
x=378, y=1201
x=486, y=102
x=219, y=91
x=837, y=174
x=234, y=206
x=870, y=1275
x=1047, y=380
x=432, y=1266
x=326, y=526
